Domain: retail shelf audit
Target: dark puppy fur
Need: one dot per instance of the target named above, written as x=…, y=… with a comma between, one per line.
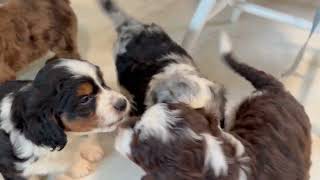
x=152, y=68
x=269, y=140
x=67, y=96
x=273, y=125
x=8, y=158
x=29, y=29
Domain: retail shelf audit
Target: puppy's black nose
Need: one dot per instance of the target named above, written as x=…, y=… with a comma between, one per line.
x=120, y=105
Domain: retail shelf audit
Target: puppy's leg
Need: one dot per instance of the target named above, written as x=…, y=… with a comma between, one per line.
x=80, y=169
x=91, y=149
x=6, y=73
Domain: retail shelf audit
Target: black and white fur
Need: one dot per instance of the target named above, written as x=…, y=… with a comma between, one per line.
x=41, y=120
x=152, y=68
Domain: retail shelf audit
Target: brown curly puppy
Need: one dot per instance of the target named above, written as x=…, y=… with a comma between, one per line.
x=29, y=29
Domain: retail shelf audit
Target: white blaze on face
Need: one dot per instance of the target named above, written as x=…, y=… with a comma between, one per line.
x=80, y=68
x=105, y=110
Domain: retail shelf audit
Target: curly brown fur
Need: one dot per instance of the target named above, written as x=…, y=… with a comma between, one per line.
x=272, y=125
x=29, y=29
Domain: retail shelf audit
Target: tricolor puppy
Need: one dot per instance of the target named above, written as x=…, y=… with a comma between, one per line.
x=30, y=29
x=40, y=119
x=270, y=138
x=152, y=68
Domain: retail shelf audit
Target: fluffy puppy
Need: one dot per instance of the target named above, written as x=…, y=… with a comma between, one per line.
x=269, y=140
x=152, y=68
x=29, y=29
x=174, y=142
x=42, y=120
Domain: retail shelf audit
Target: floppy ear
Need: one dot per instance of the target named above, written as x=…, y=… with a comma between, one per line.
x=43, y=130
x=37, y=121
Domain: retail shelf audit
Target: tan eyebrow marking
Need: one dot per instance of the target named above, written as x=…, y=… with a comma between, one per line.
x=84, y=89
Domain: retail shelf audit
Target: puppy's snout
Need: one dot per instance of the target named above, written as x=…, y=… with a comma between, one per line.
x=120, y=105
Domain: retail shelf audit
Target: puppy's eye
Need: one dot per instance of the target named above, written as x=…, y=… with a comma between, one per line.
x=86, y=100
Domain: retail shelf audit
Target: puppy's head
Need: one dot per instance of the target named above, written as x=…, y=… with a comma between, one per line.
x=169, y=139
x=180, y=83
x=71, y=95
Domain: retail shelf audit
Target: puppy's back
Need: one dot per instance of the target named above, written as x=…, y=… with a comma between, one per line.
x=272, y=124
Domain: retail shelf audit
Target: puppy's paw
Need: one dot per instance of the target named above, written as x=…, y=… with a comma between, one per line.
x=81, y=169
x=63, y=177
x=92, y=152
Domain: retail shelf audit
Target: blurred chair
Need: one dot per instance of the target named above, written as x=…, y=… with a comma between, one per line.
x=208, y=9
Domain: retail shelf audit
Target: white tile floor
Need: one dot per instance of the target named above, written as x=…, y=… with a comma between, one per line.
x=267, y=45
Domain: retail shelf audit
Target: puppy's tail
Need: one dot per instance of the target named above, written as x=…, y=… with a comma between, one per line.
x=259, y=79
x=119, y=18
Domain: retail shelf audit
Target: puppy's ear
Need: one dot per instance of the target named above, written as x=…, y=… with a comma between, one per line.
x=36, y=119
x=44, y=130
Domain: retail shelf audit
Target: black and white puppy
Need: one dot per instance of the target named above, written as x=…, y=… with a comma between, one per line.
x=152, y=68
x=37, y=117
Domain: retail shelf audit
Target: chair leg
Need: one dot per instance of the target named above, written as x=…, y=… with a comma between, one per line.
x=198, y=21
x=274, y=15
x=219, y=7
x=236, y=12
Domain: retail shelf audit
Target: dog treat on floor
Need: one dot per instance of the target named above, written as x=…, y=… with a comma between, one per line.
x=152, y=68
x=31, y=29
x=42, y=121
x=270, y=137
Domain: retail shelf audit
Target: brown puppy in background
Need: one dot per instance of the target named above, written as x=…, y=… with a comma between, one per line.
x=29, y=29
